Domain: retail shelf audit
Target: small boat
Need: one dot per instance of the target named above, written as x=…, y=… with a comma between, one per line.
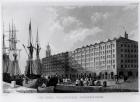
x=32, y=83
x=49, y=89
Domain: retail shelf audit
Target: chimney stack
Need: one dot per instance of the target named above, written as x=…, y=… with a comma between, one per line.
x=126, y=35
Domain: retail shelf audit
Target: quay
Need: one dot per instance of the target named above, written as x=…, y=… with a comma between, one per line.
x=129, y=86
x=17, y=89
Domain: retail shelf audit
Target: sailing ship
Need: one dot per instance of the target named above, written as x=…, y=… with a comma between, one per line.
x=6, y=60
x=11, y=70
x=33, y=67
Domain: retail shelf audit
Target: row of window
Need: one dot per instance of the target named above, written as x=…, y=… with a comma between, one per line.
x=129, y=66
x=96, y=58
x=107, y=46
x=105, y=62
x=89, y=59
x=129, y=45
x=96, y=67
x=92, y=63
x=53, y=66
x=128, y=50
x=129, y=61
x=95, y=48
x=96, y=53
x=128, y=56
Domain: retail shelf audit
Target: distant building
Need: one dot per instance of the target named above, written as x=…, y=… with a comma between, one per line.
x=55, y=64
x=105, y=59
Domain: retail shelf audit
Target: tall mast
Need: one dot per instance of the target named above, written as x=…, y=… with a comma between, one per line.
x=15, y=70
x=30, y=45
x=31, y=50
x=4, y=48
x=30, y=33
x=10, y=47
x=37, y=45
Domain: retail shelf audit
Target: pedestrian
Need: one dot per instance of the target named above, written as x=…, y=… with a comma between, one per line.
x=125, y=78
x=81, y=82
x=77, y=82
x=90, y=82
x=116, y=79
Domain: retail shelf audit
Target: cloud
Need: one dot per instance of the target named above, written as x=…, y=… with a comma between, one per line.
x=67, y=39
x=81, y=33
x=70, y=23
x=130, y=7
x=70, y=7
x=98, y=16
x=134, y=35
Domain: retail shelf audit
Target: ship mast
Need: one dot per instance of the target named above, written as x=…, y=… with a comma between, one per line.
x=30, y=45
x=15, y=70
x=5, y=55
x=4, y=48
x=37, y=46
x=31, y=50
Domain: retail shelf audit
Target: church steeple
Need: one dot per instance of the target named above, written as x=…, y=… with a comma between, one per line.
x=48, y=51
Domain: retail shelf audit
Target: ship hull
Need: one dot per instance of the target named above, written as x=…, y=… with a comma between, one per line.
x=49, y=89
x=30, y=84
x=17, y=78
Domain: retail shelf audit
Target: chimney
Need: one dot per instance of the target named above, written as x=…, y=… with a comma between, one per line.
x=126, y=35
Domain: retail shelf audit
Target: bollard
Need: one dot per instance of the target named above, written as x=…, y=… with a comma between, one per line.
x=13, y=84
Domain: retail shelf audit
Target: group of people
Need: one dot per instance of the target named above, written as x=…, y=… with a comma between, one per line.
x=54, y=80
x=48, y=81
x=86, y=82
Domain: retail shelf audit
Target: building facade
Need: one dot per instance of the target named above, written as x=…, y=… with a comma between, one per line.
x=127, y=56
x=105, y=59
x=55, y=64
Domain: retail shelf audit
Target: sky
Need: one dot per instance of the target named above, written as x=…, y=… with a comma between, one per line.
x=67, y=27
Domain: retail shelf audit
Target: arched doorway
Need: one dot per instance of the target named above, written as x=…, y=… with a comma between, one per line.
x=121, y=74
x=85, y=75
x=112, y=75
x=77, y=76
x=106, y=75
x=90, y=75
x=130, y=74
x=100, y=75
x=136, y=74
x=81, y=75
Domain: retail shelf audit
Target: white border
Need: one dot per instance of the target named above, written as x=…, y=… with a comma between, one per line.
x=52, y=97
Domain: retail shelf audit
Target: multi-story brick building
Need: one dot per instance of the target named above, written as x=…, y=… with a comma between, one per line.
x=105, y=59
x=113, y=57
x=55, y=64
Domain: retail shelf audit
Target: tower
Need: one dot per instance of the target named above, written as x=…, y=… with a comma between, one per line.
x=48, y=51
